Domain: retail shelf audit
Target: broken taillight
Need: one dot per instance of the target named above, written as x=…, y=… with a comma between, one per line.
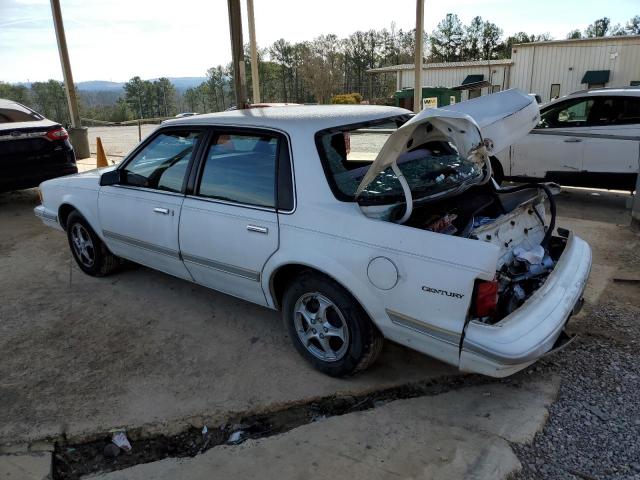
x=486, y=298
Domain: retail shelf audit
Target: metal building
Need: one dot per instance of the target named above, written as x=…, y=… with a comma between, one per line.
x=549, y=69
x=494, y=74
x=557, y=68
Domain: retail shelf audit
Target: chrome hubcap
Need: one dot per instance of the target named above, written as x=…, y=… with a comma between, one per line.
x=82, y=245
x=321, y=327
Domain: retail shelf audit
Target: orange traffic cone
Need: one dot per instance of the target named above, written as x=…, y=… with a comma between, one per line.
x=101, y=158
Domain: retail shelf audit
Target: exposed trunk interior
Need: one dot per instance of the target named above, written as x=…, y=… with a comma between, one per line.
x=514, y=220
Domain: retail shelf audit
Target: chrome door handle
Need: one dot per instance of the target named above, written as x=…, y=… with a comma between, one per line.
x=255, y=228
x=164, y=211
x=572, y=140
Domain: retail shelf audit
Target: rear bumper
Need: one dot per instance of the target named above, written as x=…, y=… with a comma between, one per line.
x=531, y=331
x=17, y=180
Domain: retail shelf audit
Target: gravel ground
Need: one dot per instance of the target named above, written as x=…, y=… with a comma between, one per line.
x=593, y=430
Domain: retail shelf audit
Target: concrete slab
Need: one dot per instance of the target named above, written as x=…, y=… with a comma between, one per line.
x=82, y=355
x=460, y=434
x=347, y=449
x=514, y=412
x=32, y=466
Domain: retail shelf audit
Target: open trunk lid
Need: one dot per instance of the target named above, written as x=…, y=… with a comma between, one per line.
x=476, y=127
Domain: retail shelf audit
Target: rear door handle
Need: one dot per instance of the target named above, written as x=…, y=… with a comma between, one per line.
x=572, y=140
x=256, y=228
x=164, y=211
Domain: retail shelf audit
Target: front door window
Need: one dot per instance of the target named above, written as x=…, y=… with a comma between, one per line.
x=572, y=113
x=162, y=164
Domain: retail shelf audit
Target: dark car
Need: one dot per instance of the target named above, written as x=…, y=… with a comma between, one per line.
x=32, y=148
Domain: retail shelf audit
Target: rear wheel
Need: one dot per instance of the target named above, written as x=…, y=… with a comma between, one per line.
x=90, y=253
x=328, y=327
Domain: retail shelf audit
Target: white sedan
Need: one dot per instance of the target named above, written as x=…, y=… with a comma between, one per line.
x=287, y=208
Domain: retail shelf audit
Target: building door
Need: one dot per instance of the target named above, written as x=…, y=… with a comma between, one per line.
x=475, y=93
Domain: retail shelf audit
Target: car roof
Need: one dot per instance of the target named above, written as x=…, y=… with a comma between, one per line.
x=8, y=103
x=615, y=91
x=608, y=91
x=290, y=118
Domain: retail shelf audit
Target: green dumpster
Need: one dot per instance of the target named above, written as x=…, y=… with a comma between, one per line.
x=432, y=97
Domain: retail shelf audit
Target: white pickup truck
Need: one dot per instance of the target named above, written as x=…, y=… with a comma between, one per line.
x=358, y=223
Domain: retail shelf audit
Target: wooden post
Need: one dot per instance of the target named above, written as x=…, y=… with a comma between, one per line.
x=255, y=74
x=79, y=136
x=237, y=54
x=417, y=82
x=66, y=64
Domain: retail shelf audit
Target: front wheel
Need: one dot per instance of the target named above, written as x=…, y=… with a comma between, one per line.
x=328, y=327
x=90, y=253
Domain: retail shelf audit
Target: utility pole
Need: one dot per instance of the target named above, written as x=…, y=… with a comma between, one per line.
x=237, y=54
x=417, y=81
x=78, y=134
x=255, y=75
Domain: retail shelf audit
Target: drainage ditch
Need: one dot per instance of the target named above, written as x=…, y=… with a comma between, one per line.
x=71, y=461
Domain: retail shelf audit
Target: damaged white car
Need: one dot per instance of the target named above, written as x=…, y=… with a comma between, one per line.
x=359, y=223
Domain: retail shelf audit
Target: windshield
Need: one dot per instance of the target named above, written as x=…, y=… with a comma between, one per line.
x=430, y=167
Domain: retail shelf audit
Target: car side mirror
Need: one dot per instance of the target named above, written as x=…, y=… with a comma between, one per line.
x=110, y=178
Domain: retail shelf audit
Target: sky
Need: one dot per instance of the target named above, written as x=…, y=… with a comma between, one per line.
x=118, y=39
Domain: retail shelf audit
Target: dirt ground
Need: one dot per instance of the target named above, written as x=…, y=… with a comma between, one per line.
x=81, y=355
x=142, y=350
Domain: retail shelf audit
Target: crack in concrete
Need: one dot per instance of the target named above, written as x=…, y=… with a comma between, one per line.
x=71, y=461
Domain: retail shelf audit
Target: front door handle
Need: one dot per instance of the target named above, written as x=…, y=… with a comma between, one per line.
x=572, y=140
x=164, y=211
x=256, y=228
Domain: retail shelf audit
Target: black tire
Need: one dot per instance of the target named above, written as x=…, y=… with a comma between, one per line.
x=103, y=261
x=498, y=171
x=364, y=340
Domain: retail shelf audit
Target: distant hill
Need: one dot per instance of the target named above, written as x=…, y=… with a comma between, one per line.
x=181, y=84
x=99, y=86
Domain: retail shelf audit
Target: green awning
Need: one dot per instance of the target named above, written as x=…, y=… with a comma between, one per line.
x=596, y=76
x=474, y=79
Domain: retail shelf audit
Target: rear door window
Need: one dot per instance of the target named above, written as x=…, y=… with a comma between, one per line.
x=616, y=110
x=241, y=168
